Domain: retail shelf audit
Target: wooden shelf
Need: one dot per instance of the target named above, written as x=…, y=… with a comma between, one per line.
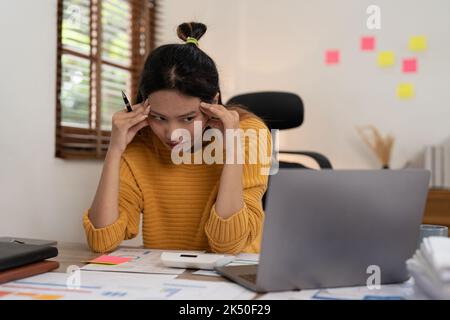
x=437, y=210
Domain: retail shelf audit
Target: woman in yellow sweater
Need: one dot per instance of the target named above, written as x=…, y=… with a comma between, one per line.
x=208, y=206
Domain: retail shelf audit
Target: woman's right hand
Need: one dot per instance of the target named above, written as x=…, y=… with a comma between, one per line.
x=125, y=125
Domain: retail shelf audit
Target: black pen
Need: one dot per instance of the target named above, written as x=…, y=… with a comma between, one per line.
x=127, y=103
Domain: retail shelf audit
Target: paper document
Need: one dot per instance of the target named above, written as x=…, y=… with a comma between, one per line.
x=289, y=295
x=112, y=285
x=386, y=292
x=206, y=273
x=245, y=259
x=142, y=261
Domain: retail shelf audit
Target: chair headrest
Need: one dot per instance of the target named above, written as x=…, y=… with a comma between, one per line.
x=280, y=110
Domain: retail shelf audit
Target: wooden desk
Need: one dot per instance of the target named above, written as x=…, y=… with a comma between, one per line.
x=437, y=210
x=72, y=254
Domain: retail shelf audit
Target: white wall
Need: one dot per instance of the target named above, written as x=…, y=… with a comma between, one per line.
x=279, y=45
x=258, y=45
x=41, y=196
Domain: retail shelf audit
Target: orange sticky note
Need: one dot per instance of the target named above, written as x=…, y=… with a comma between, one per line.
x=386, y=59
x=48, y=297
x=409, y=65
x=368, y=43
x=332, y=57
x=405, y=91
x=111, y=260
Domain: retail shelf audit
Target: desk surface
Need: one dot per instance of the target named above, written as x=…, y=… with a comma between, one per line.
x=75, y=253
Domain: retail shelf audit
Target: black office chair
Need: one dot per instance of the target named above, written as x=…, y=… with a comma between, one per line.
x=280, y=110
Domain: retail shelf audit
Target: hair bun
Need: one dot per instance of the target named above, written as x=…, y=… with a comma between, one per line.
x=191, y=29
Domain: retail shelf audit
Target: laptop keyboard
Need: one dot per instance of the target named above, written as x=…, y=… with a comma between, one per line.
x=251, y=277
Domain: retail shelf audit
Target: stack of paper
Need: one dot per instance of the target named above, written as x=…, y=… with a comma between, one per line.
x=430, y=268
x=436, y=159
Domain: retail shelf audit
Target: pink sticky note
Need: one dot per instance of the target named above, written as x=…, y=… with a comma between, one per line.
x=332, y=56
x=367, y=43
x=106, y=259
x=410, y=65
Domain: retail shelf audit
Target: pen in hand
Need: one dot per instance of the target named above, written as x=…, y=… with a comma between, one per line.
x=128, y=105
x=127, y=102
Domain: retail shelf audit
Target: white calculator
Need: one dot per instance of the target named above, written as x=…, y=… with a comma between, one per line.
x=206, y=261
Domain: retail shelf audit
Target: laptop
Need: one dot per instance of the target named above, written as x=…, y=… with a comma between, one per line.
x=335, y=228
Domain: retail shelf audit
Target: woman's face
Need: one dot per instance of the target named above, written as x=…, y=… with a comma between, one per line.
x=171, y=110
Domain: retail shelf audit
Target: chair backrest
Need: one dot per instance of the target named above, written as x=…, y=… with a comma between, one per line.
x=280, y=110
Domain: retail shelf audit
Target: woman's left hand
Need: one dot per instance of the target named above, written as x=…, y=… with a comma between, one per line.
x=220, y=117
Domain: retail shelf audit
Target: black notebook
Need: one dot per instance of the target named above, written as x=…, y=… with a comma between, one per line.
x=16, y=254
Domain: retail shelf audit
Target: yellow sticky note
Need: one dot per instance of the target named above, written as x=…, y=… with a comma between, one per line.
x=386, y=58
x=405, y=91
x=418, y=43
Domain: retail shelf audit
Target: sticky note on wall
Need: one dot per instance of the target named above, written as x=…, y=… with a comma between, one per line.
x=332, y=57
x=409, y=65
x=418, y=43
x=405, y=91
x=368, y=43
x=386, y=59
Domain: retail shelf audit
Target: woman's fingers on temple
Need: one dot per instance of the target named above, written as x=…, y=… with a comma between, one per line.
x=138, y=106
x=207, y=112
x=140, y=125
x=212, y=117
x=216, y=107
x=215, y=111
x=137, y=118
x=145, y=106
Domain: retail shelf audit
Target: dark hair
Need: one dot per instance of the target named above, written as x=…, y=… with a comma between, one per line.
x=184, y=67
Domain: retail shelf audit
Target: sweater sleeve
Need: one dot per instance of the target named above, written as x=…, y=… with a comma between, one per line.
x=239, y=231
x=126, y=226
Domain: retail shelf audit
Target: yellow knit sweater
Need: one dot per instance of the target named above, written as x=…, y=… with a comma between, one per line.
x=177, y=202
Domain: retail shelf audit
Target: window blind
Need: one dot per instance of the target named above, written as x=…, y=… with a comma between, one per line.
x=102, y=45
